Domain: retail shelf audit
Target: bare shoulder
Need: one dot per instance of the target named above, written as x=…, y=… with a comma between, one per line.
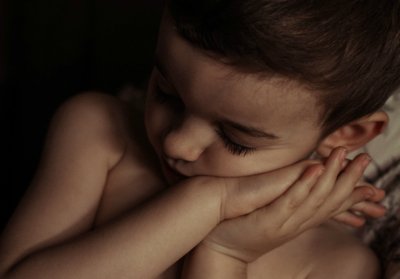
x=327, y=251
x=341, y=255
x=95, y=118
x=86, y=138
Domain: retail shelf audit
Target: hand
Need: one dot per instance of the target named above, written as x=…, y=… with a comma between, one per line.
x=368, y=208
x=242, y=193
x=286, y=203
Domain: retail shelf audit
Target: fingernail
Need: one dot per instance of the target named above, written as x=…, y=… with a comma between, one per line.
x=370, y=194
x=343, y=155
x=366, y=162
x=320, y=172
x=382, y=206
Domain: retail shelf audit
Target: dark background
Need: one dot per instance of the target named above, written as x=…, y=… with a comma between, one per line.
x=51, y=50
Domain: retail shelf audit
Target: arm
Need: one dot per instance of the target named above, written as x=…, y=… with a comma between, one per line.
x=203, y=262
x=129, y=245
x=50, y=235
x=311, y=200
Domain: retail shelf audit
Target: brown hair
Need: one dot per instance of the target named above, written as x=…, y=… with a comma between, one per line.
x=349, y=49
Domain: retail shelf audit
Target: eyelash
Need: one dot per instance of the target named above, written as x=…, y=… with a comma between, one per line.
x=234, y=148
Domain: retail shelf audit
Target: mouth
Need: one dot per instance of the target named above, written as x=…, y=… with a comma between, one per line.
x=171, y=174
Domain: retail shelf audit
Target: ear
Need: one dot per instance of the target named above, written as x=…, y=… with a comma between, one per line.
x=355, y=134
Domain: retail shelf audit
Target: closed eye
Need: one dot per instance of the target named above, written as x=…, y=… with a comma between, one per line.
x=233, y=147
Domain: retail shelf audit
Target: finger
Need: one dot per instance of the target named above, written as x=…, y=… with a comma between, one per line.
x=379, y=193
x=358, y=195
x=341, y=214
x=363, y=183
x=347, y=180
x=344, y=195
x=322, y=189
x=370, y=209
x=285, y=205
x=350, y=219
x=345, y=163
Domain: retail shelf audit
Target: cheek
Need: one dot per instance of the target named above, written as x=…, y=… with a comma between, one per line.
x=156, y=120
x=259, y=162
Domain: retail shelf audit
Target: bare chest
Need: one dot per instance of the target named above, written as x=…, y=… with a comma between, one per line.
x=133, y=181
x=130, y=183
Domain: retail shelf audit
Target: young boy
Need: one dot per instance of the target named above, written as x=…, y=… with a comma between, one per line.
x=216, y=183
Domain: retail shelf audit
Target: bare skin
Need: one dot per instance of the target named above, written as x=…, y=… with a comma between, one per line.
x=108, y=203
x=63, y=240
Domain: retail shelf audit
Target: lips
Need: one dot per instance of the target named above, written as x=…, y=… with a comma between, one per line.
x=171, y=174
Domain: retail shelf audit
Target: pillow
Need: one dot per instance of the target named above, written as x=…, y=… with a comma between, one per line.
x=383, y=234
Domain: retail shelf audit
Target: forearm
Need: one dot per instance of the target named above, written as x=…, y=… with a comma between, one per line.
x=155, y=235
x=203, y=262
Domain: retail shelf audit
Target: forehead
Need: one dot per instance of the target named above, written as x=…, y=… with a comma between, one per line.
x=216, y=90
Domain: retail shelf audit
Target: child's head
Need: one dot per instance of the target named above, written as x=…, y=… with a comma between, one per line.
x=347, y=51
x=299, y=70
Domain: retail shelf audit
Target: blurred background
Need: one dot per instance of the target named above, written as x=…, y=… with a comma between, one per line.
x=51, y=50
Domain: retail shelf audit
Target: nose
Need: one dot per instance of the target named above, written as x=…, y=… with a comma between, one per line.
x=188, y=140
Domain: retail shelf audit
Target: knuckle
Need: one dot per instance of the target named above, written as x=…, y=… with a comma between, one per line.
x=284, y=235
x=314, y=208
x=281, y=232
x=335, y=206
x=319, y=201
x=293, y=204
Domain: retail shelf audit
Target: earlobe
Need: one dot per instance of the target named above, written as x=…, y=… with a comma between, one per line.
x=355, y=134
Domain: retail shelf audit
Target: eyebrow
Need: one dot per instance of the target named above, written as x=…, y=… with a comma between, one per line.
x=252, y=131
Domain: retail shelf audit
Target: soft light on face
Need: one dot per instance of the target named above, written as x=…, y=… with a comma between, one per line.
x=205, y=118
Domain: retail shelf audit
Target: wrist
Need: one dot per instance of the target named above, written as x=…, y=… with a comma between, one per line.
x=210, y=192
